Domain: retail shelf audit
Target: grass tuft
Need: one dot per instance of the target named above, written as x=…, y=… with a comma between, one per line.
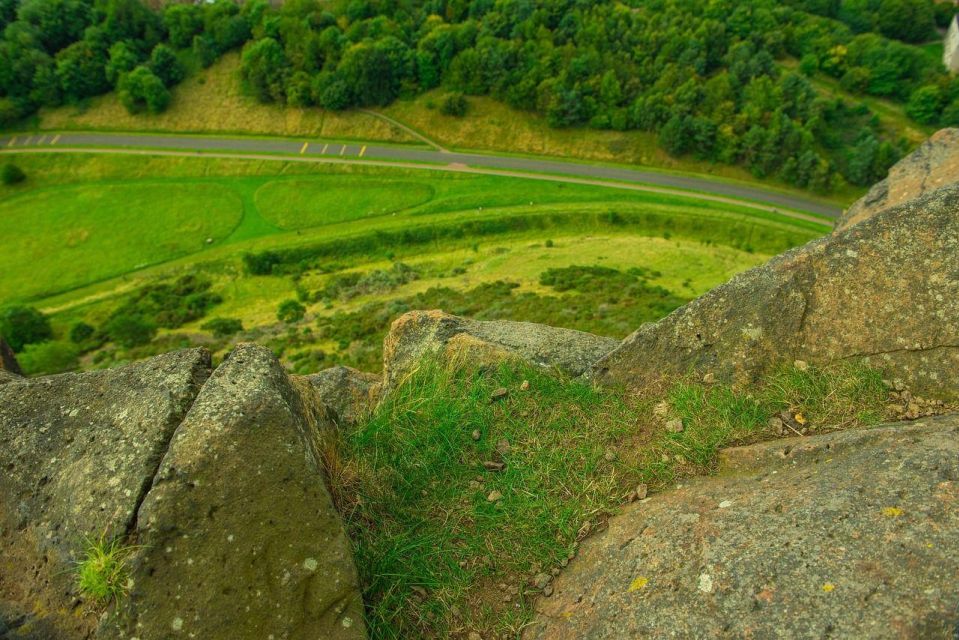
x=102, y=574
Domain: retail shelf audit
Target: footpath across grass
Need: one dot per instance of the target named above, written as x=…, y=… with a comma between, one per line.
x=463, y=506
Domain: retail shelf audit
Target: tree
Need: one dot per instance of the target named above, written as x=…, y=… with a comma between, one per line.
x=454, y=104
x=123, y=59
x=130, y=331
x=675, y=136
x=166, y=66
x=926, y=104
x=290, y=311
x=80, y=69
x=11, y=174
x=20, y=326
x=182, y=22
x=263, y=69
x=908, y=20
x=81, y=332
x=58, y=22
x=141, y=89
x=47, y=358
x=223, y=327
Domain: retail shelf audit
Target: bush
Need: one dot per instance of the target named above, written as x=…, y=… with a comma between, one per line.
x=21, y=326
x=454, y=104
x=12, y=174
x=291, y=311
x=223, y=327
x=130, y=331
x=142, y=90
x=47, y=358
x=81, y=332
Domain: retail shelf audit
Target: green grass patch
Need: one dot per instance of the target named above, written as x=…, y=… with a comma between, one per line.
x=297, y=204
x=102, y=574
x=446, y=546
x=59, y=238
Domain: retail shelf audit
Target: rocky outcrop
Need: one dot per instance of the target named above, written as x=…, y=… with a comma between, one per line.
x=78, y=453
x=935, y=164
x=8, y=361
x=847, y=535
x=348, y=393
x=214, y=478
x=421, y=334
x=885, y=290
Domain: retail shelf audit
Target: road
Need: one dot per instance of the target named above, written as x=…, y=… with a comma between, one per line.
x=372, y=153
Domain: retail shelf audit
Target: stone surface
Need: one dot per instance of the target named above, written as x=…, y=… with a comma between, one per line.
x=8, y=361
x=239, y=535
x=78, y=452
x=846, y=535
x=885, y=290
x=935, y=164
x=420, y=334
x=347, y=392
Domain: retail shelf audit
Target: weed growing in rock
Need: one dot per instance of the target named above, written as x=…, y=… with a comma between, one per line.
x=102, y=573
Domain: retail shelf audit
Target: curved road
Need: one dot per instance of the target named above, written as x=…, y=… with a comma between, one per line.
x=320, y=150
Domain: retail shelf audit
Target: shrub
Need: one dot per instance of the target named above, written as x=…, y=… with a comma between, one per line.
x=291, y=311
x=223, y=327
x=454, y=104
x=11, y=174
x=130, y=330
x=46, y=358
x=142, y=89
x=81, y=332
x=21, y=326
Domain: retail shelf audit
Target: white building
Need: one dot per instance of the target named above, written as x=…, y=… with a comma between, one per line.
x=950, y=54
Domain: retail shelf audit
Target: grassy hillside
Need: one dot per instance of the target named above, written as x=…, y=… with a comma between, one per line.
x=354, y=245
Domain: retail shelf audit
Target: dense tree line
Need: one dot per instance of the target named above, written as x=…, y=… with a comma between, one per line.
x=63, y=51
x=724, y=80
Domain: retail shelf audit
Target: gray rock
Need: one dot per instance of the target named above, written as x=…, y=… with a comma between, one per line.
x=846, y=535
x=78, y=452
x=8, y=361
x=6, y=376
x=239, y=538
x=885, y=290
x=935, y=164
x=348, y=393
x=421, y=334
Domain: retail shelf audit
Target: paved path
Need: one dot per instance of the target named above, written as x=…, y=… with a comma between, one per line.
x=315, y=149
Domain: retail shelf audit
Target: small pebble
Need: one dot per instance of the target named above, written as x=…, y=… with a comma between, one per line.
x=709, y=378
x=494, y=495
x=476, y=434
x=548, y=591
x=641, y=491
x=524, y=386
x=499, y=394
x=675, y=426
x=802, y=365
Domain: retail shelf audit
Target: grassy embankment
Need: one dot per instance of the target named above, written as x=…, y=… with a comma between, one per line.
x=77, y=245
x=446, y=547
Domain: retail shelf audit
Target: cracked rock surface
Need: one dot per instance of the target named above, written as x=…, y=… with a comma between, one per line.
x=77, y=454
x=846, y=535
x=885, y=290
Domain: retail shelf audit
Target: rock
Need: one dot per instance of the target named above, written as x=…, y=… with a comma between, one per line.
x=78, y=453
x=609, y=456
x=848, y=535
x=675, y=426
x=420, y=334
x=503, y=447
x=475, y=636
x=777, y=426
x=494, y=495
x=935, y=164
x=709, y=378
x=524, y=386
x=499, y=394
x=350, y=394
x=801, y=365
x=476, y=434
x=491, y=465
x=642, y=490
x=540, y=580
x=6, y=376
x=238, y=535
x=8, y=361
x=833, y=299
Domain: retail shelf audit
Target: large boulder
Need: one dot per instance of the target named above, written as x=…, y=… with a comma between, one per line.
x=238, y=537
x=418, y=335
x=885, y=290
x=78, y=452
x=847, y=535
x=935, y=164
x=348, y=393
x=8, y=361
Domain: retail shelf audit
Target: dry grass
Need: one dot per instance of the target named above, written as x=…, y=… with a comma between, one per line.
x=212, y=102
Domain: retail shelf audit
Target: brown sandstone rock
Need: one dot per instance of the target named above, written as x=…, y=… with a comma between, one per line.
x=846, y=535
x=78, y=452
x=239, y=535
x=885, y=290
x=8, y=361
x=935, y=164
x=421, y=334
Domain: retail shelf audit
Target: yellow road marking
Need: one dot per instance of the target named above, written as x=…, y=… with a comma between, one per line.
x=29, y=140
x=56, y=138
x=343, y=149
x=303, y=150
x=324, y=148
x=363, y=150
x=42, y=139
x=12, y=142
